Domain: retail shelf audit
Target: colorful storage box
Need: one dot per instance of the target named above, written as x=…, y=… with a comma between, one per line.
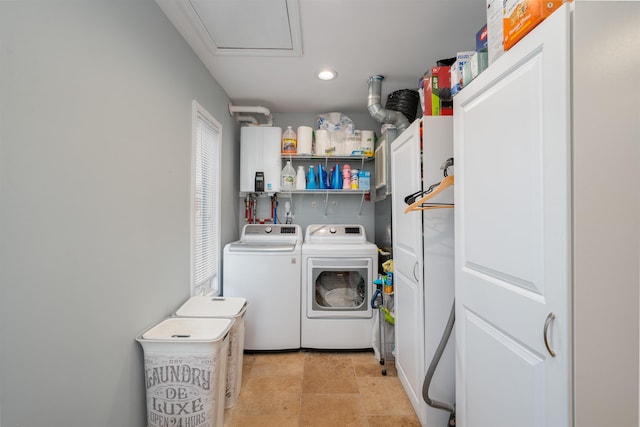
x=521, y=16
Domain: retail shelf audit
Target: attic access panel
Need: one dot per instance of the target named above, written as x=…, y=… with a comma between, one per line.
x=240, y=27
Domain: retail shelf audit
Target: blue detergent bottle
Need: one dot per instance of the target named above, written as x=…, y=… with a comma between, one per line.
x=322, y=177
x=336, y=178
x=311, y=179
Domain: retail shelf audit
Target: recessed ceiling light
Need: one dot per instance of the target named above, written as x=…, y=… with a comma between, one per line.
x=327, y=75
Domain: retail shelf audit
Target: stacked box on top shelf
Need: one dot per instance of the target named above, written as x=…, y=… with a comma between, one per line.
x=495, y=14
x=477, y=64
x=521, y=16
x=441, y=101
x=428, y=99
x=482, y=40
x=479, y=61
x=456, y=71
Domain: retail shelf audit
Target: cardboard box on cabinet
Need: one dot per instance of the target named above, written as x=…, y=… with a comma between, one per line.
x=481, y=39
x=456, y=77
x=521, y=16
x=456, y=71
x=478, y=63
x=428, y=109
x=495, y=35
x=441, y=100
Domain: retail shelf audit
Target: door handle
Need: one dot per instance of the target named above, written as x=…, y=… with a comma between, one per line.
x=415, y=275
x=547, y=323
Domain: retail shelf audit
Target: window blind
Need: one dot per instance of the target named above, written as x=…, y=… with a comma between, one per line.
x=206, y=244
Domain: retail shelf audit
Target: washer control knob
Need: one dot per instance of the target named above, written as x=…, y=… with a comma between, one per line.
x=332, y=230
x=268, y=230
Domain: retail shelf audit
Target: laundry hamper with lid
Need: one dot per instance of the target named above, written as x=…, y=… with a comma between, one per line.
x=185, y=371
x=225, y=307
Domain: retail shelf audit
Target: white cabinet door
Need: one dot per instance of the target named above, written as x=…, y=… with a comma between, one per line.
x=407, y=264
x=406, y=170
x=513, y=237
x=409, y=335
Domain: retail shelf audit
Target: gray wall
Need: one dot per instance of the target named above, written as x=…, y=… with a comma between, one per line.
x=606, y=236
x=342, y=208
x=95, y=144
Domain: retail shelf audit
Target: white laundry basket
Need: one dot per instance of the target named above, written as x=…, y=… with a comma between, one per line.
x=225, y=307
x=185, y=371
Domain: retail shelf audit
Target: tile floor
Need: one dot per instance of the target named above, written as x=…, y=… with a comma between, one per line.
x=319, y=389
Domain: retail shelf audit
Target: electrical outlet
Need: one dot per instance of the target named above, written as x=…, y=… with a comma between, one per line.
x=314, y=204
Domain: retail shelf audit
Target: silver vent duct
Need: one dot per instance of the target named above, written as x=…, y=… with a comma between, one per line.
x=395, y=118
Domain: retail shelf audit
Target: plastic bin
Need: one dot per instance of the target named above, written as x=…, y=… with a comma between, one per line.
x=225, y=307
x=185, y=369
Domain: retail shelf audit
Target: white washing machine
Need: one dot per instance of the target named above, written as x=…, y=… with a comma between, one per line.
x=264, y=267
x=339, y=266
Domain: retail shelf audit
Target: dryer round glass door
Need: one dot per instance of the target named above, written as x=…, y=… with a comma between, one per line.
x=339, y=287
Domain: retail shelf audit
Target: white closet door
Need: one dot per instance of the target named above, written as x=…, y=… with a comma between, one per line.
x=513, y=241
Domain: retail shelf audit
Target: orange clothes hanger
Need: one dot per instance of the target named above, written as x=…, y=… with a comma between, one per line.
x=417, y=205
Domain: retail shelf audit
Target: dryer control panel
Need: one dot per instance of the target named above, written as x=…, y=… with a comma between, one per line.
x=272, y=229
x=333, y=233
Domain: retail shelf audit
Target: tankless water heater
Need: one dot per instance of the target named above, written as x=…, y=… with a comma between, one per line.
x=260, y=164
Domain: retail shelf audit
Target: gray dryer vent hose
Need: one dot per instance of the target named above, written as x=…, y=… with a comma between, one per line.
x=434, y=364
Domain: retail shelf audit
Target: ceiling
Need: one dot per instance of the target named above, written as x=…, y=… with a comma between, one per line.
x=268, y=52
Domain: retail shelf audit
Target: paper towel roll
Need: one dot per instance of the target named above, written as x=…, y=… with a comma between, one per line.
x=323, y=142
x=338, y=143
x=305, y=139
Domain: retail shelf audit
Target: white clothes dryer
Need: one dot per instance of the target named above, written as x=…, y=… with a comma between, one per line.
x=264, y=267
x=339, y=266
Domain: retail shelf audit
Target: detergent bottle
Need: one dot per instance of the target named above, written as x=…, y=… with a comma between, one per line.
x=346, y=177
x=311, y=179
x=301, y=180
x=322, y=177
x=336, y=177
